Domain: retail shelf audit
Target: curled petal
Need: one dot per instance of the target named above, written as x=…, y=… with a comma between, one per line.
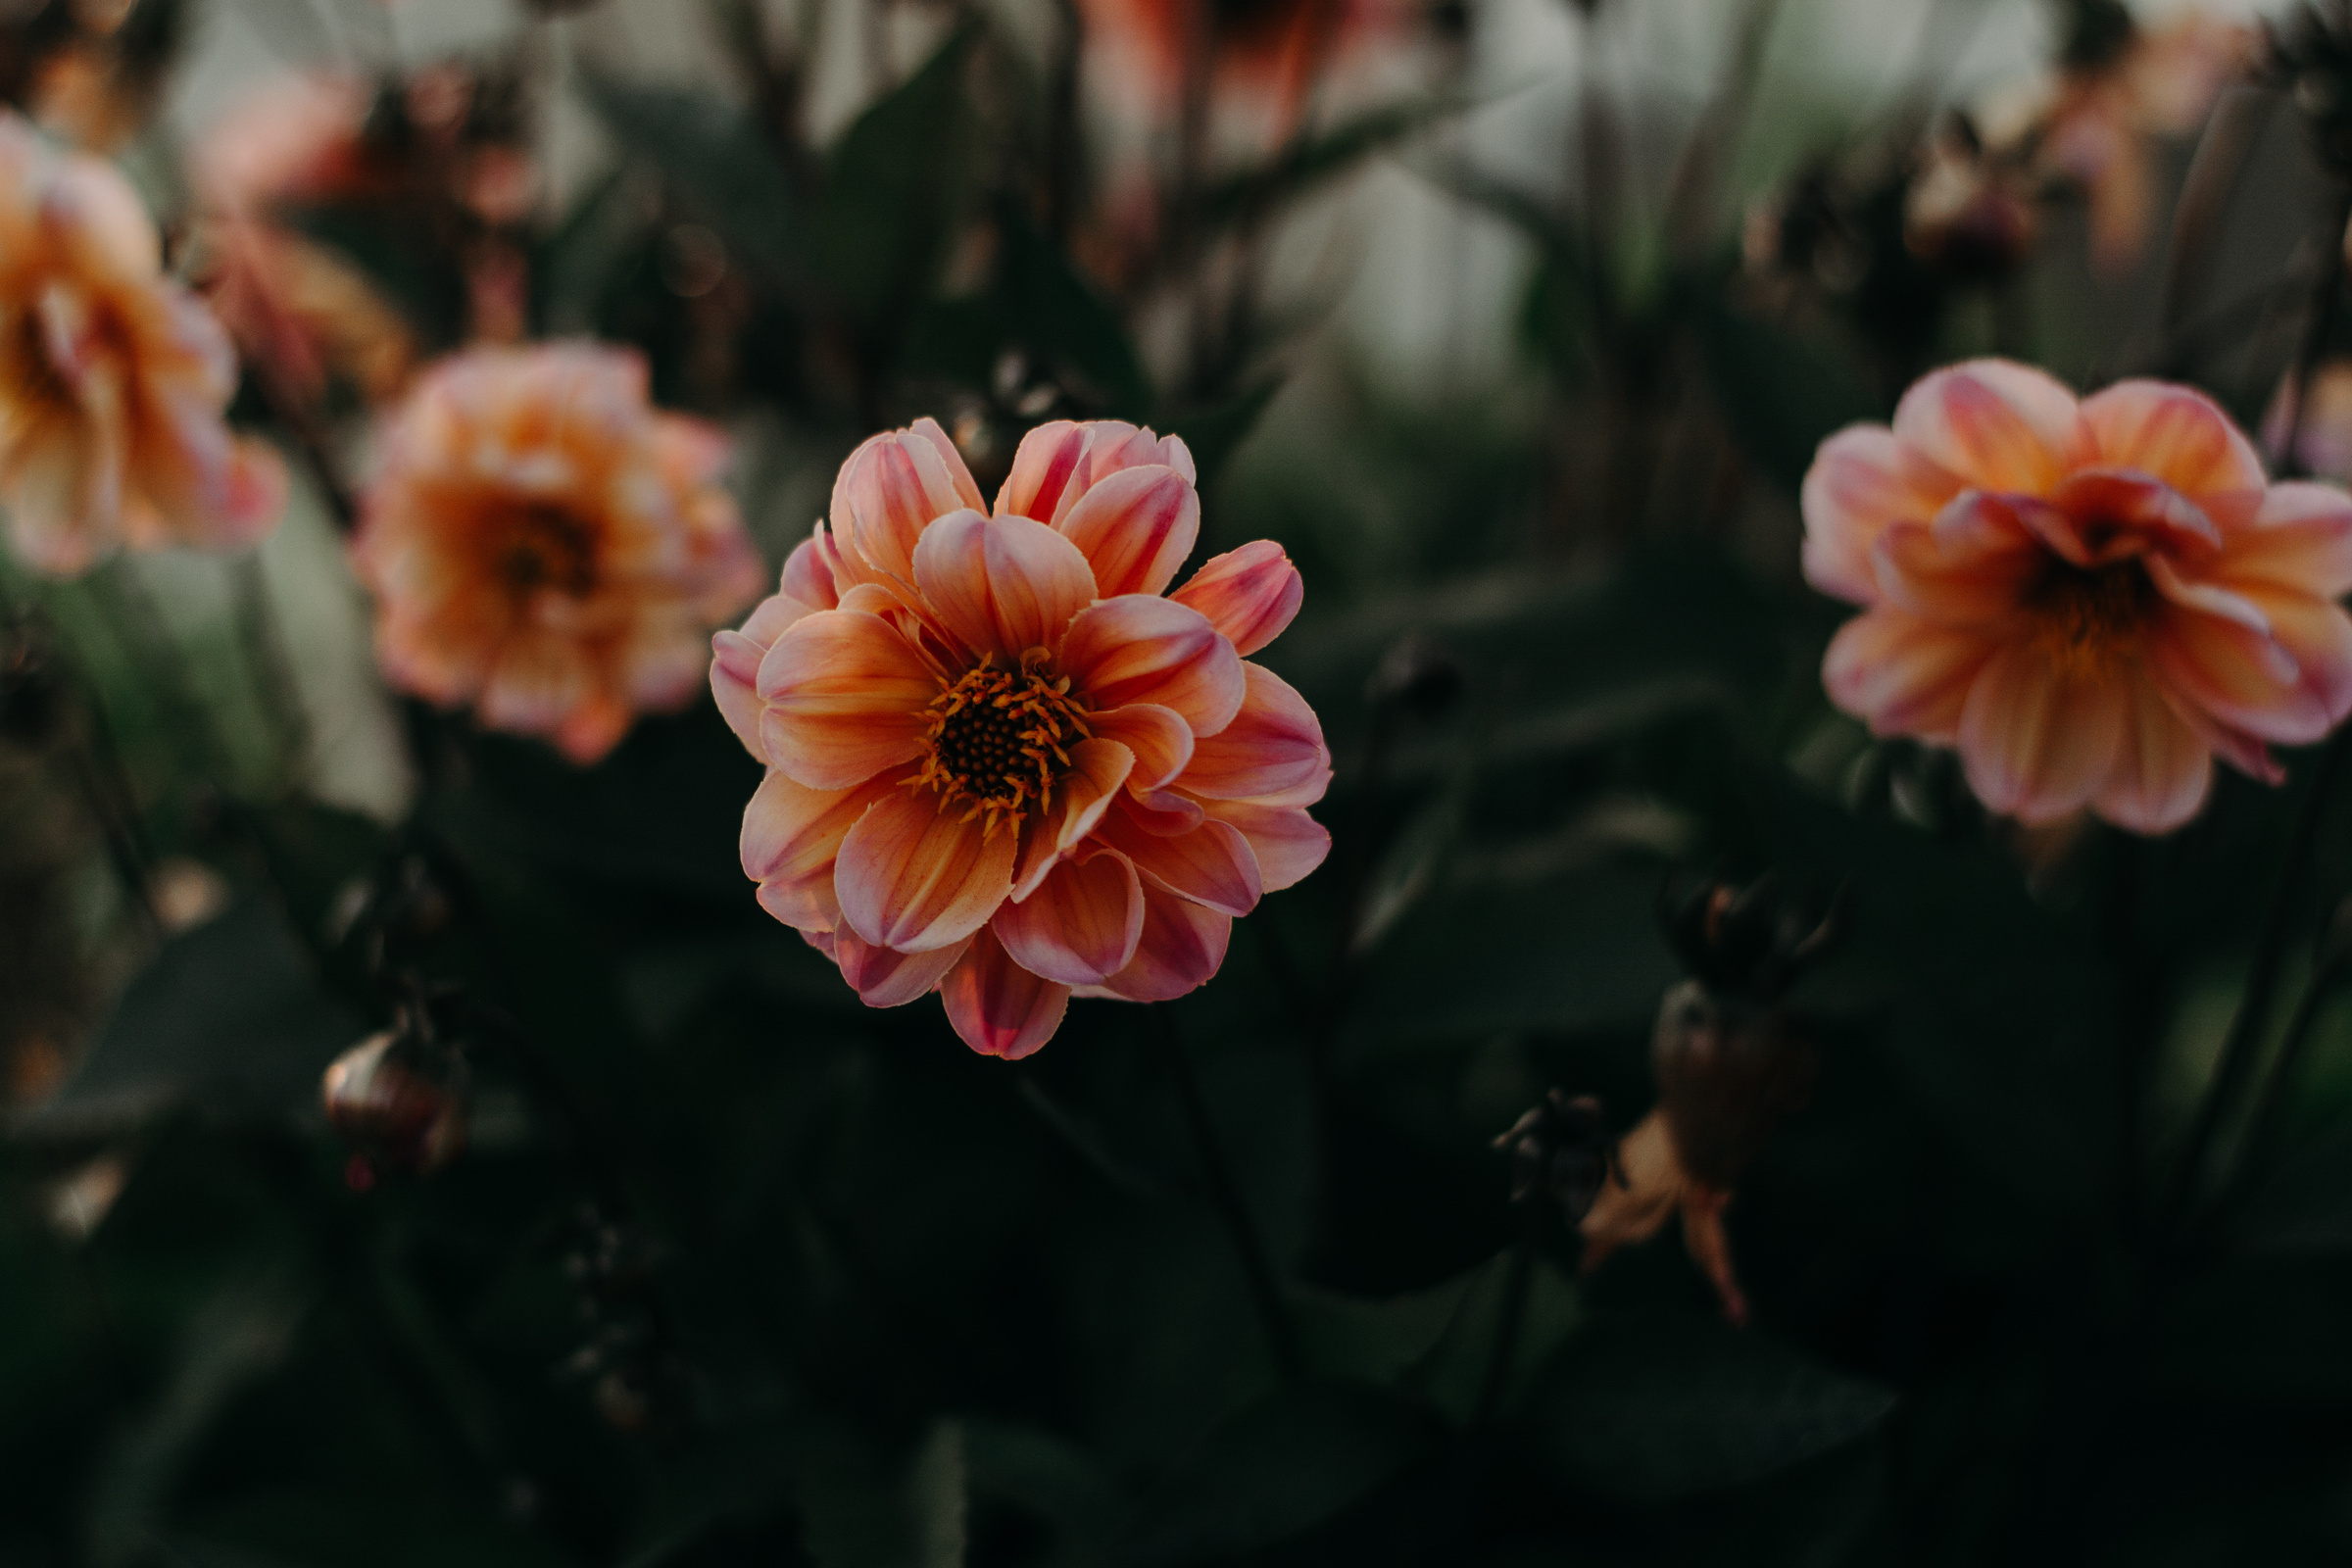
x=915, y=877
x=884, y=977
x=2040, y=736
x=1138, y=648
x=1166, y=813
x=894, y=487
x=2106, y=515
x=1997, y=424
x=809, y=572
x=2163, y=769
x=1134, y=527
x=1081, y=924
x=791, y=837
x=1098, y=768
x=1287, y=842
x=2174, y=433
x=1250, y=594
x=2238, y=675
x=1057, y=464
x=1159, y=738
x=1971, y=568
x=1861, y=480
x=1212, y=865
x=2301, y=538
x=2317, y=635
x=734, y=674
x=998, y=1008
x=1273, y=746
x=846, y=697
x=1181, y=946
x=1002, y=585
x=1904, y=675
x=1048, y=459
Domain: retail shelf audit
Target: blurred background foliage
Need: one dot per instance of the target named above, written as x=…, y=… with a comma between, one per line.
x=1517, y=322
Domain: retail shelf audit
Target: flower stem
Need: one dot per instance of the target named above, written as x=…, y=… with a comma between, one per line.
x=1516, y=1288
x=270, y=663
x=1226, y=1197
x=2242, y=1046
x=2256, y=1147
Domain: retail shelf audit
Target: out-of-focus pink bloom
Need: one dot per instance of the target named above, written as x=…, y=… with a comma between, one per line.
x=298, y=312
x=2103, y=120
x=113, y=377
x=1003, y=762
x=2322, y=437
x=547, y=546
x=2089, y=599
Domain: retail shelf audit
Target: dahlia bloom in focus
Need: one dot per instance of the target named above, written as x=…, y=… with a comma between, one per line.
x=547, y=546
x=113, y=377
x=2089, y=599
x=1003, y=762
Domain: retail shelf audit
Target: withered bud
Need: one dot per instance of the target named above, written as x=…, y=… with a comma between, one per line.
x=399, y=1101
x=1754, y=941
x=1418, y=675
x=1561, y=1149
x=396, y=913
x=1729, y=1068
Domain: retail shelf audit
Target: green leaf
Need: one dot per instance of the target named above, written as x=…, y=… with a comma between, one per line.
x=1300, y=168
x=896, y=186
x=230, y=1018
x=1660, y=1408
x=1564, y=953
x=1273, y=1471
x=355, y=1527
x=1062, y=316
x=716, y=158
x=1046, y=1474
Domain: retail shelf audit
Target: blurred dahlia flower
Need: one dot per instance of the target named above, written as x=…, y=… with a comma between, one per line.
x=2089, y=599
x=2124, y=86
x=1264, y=55
x=1003, y=762
x=298, y=312
x=547, y=546
x=113, y=377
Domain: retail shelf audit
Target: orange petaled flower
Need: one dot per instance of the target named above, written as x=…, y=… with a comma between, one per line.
x=112, y=378
x=547, y=546
x=1000, y=763
x=2089, y=599
x=1265, y=50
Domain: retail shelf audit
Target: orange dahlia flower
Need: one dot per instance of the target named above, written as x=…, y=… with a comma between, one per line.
x=2089, y=599
x=547, y=546
x=1003, y=762
x=112, y=378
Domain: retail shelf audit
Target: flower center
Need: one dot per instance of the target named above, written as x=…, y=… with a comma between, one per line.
x=32, y=379
x=2090, y=609
x=547, y=547
x=1000, y=740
